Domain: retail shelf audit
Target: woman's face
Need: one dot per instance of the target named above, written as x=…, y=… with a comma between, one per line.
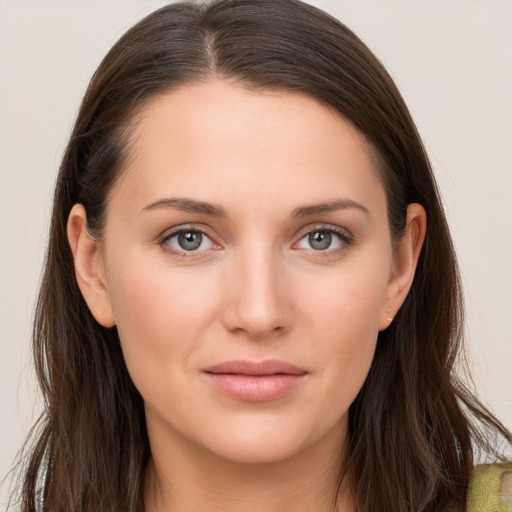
x=248, y=227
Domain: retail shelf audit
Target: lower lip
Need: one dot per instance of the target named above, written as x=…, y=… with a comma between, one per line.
x=254, y=388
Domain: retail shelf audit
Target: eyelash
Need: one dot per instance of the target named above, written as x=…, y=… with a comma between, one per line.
x=344, y=236
x=164, y=242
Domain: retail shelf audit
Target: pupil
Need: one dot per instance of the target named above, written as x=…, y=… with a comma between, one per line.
x=320, y=240
x=190, y=240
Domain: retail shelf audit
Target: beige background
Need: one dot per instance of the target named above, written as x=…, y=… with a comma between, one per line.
x=452, y=59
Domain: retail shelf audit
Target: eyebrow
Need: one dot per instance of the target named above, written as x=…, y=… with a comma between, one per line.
x=330, y=206
x=187, y=205
x=202, y=207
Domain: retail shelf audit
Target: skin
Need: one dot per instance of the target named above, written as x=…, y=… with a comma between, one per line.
x=256, y=289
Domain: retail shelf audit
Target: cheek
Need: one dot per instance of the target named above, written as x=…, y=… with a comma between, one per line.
x=343, y=325
x=159, y=317
x=347, y=300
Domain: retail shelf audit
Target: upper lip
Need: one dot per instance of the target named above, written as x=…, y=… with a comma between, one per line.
x=242, y=367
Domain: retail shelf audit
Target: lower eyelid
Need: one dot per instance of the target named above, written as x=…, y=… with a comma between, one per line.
x=340, y=241
x=164, y=241
x=345, y=239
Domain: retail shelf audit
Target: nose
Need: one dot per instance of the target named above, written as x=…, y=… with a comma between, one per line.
x=258, y=301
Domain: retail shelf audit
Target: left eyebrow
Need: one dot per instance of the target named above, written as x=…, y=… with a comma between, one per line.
x=330, y=206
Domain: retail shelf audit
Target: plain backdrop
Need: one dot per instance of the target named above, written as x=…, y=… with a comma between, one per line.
x=452, y=60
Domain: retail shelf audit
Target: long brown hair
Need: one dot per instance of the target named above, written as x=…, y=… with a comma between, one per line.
x=414, y=424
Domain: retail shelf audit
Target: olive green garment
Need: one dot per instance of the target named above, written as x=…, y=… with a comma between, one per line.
x=490, y=489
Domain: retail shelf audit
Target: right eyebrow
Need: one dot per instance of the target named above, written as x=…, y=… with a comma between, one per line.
x=187, y=205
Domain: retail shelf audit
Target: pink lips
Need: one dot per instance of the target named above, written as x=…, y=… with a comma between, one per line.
x=255, y=381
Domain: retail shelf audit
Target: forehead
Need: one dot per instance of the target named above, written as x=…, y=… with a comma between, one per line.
x=218, y=138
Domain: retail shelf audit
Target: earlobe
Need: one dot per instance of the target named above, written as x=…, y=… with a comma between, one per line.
x=407, y=253
x=89, y=267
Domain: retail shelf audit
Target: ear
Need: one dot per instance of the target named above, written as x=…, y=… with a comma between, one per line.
x=405, y=260
x=89, y=267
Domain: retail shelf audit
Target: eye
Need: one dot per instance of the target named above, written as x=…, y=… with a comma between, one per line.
x=188, y=240
x=323, y=240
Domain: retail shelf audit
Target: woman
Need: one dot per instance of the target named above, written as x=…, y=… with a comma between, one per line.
x=251, y=298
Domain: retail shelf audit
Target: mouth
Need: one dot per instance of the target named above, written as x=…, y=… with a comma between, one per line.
x=255, y=381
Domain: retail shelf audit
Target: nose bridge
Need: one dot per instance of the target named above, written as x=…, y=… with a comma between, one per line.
x=257, y=300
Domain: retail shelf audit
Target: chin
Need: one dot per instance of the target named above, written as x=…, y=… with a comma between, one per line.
x=257, y=451
x=262, y=442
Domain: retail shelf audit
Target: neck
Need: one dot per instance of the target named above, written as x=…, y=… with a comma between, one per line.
x=187, y=478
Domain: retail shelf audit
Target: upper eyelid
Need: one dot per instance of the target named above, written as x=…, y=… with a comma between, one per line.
x=299, y=234
x=345, y=236
x=182, y=253
x=324, y=227
x=170, y=232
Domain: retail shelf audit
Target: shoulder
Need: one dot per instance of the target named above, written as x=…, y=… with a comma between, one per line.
x=490, y=489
